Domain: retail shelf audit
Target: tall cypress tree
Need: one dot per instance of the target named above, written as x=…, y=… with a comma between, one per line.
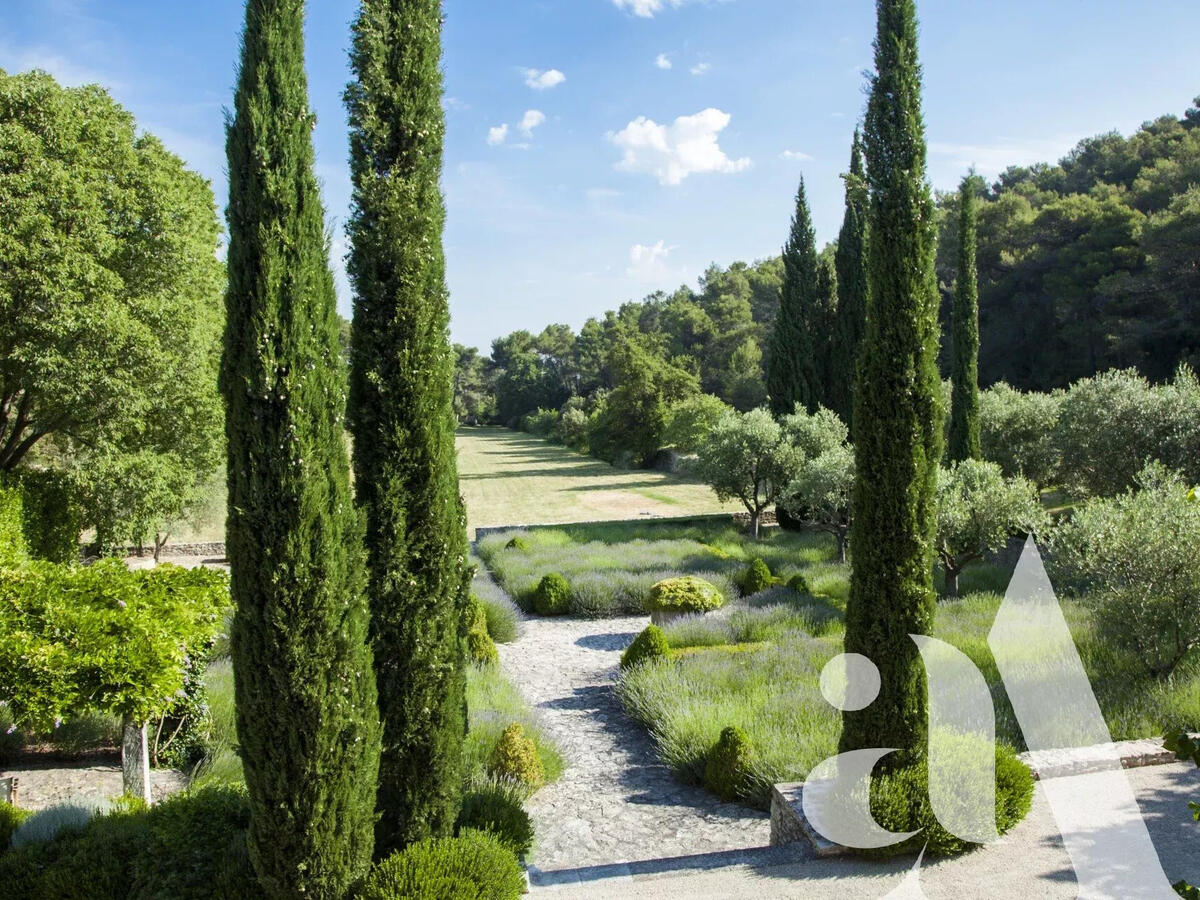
x=823, y=330
x=898, y=415
x=851, y=262
x=791, y=372
x=401, y=413
x=964, y=403
x=306, y=717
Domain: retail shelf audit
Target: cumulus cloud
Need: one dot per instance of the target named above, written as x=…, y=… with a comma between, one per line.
x=531, y=120
x=700, y=68
x=544, y=80
x=648, y=262
x=646, y=9
x=673, y=152
x=662, y=61
x=796, y=155
x=497, y=135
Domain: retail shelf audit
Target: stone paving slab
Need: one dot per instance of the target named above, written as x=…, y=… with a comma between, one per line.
x=616, y=803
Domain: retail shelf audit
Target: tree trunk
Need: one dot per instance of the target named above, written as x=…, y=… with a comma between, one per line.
x=755, y=518
x=160, y=541
x=135, y=760
x=842, y=540
x=952, y=582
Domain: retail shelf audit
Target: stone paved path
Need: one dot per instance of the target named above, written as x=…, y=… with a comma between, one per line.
x=616, y=802
x=45, y=784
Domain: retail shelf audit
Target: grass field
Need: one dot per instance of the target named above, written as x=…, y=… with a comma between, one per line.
x=510, y=478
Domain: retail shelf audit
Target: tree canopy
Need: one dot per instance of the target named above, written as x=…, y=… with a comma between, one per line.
x=111, y=303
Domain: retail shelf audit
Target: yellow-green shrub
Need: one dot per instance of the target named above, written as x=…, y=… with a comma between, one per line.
x=686, y=594
x=515, y=756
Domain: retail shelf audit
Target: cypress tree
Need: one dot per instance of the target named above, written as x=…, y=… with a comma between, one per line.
x=307, y=724
x=851, y=262
x=898, y=415
x=824, y=328
x=964, y=403
x=791, y=373
x=401, y=414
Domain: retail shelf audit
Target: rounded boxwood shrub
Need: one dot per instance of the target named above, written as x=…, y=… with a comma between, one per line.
x=650, y=644
x=685, y=594
x=515, y=756
x=799, y=584
x=517, y=543
x=495, y=810
x=727, y=773
x=756, y=578
x=900, y=802
x=472, y=866
x=481, y=649
x=553, y=595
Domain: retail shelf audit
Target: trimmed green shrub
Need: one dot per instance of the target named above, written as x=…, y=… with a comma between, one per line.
x=494, y=810
x=480, y=647
x=516, y=756
x=756, y=578
x=196, y=838
x=799, y=584
x=686, y=594
x=729, y=770
x=472, y=866
x=517, y=543
x=650, y=644
x=12, y=538
x=552, y=596
x=10, y=817
x=900, y=802
x=51, y=518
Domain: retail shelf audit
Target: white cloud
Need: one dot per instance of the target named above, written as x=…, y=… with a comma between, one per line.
x=648, y=262
x=796, y=155
x=673, y=152
x=543, y=81
x=497, y=135
x=645, y=9
x=531, y=120
x=662, y=61
x=700, y=68
x=454, y=103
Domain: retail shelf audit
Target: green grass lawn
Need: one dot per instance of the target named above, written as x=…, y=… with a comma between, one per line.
x=510, y=478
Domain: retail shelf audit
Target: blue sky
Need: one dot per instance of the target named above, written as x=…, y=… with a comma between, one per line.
x=659, y=135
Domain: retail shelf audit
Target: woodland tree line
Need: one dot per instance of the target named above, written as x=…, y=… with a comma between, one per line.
x=1084, y=265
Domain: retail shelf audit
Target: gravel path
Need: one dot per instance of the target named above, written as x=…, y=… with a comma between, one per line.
x=616, y=802
x=45, y=784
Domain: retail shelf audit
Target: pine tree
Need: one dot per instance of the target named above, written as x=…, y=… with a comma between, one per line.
x=964, y=405
x=791, y=372
x=898, y=416
x=401, y=413
x=851, y=261
x=307, y=723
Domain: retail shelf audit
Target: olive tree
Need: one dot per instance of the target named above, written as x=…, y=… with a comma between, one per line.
x=111, y=303
x=978, y=510
x=690, y=421
x=820, y=496
x=747, y=457
x=814, y=433
x=1134, y=559
x=1017, y=431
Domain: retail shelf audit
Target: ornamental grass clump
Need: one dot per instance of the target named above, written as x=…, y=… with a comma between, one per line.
x=516, y=756
x=686, y=594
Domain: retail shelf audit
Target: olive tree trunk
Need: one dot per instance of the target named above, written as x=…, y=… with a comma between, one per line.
x=135, y=760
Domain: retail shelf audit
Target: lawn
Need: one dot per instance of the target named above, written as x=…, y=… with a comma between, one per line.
x=510, y=478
